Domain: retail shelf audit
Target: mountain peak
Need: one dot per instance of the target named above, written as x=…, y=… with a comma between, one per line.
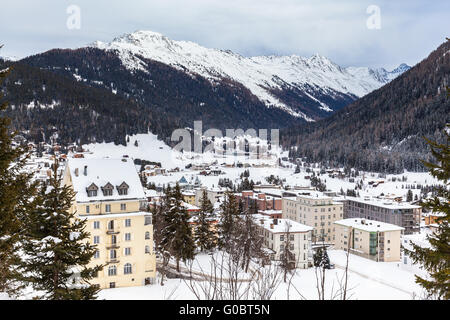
x=401, y=68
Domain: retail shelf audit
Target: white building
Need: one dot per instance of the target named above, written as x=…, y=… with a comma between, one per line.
x=278, y=233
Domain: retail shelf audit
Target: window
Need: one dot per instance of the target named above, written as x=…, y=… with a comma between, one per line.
x=92, y=193
x=96, y=239
x=87, y=209
x=112, y=254
x=127, y=236
x=112, y=285
x=96, y=224
x=282, y=238
x=112, y=271
x=108, y=208
x=127, y=251
x=123, y=206
x=97, y=254
x=282, y=247
x=107, y=192
x=291, y=237
x=148, y=220
x=111, y=225
x=147, y=235
x=113, y=239
x=127, y=268
x=127, y=222
x=147, y=249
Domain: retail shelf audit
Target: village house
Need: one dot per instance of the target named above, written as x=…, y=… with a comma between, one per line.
x=370, y=239
x=109, y=195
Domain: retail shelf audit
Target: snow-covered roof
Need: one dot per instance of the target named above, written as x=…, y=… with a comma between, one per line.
x=102, y=171
x=383, y=203
x=368, y=225
x=281, y=225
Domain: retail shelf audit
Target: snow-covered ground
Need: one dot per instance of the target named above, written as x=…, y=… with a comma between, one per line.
x=367, y=280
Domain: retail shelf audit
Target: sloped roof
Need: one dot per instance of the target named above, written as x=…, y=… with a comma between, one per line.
x=102, y=171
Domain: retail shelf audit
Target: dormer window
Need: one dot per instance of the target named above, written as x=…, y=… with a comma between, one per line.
x=123, y=189
x=107, y=189
x=92, y=190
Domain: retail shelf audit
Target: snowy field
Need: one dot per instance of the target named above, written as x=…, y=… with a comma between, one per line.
x=368, y=280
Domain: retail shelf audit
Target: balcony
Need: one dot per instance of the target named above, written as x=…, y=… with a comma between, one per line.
x=112, y=260
x=112, y=246
x=113, y=231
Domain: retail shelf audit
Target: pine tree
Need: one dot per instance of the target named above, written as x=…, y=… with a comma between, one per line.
x=436, y=259
x=229, y=211
x=204, y=236
x=16, y=190
x=409, y=196
x=55, y=244
x=179, y=237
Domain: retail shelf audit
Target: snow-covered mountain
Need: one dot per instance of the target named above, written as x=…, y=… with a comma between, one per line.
x=316, y=79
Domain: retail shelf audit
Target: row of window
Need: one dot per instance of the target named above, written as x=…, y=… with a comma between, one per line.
x=127, y=223
x=113, y=252
x=123, y=207
x=127, y=269
x=127, y=237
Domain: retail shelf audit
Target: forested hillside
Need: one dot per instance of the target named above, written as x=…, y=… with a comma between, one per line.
x=383, y=131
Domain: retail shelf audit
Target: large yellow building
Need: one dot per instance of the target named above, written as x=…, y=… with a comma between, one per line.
x=109, y=195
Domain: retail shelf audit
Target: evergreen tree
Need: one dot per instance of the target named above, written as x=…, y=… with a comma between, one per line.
x=321, y=259
x=229, y=211
x=16, y=191
x=204, y=236
x=409, y=196
x=436, y=259
x=178, y=229
x=55, y=244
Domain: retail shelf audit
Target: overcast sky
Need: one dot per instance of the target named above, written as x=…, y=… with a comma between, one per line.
x=409, y=31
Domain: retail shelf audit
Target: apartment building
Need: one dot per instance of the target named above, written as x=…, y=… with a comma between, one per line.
x=109, y=195
x=214, y=194
x=262, y=201
x=316, y=210
x=401, y=214
x=370, y=239
x=280, y=233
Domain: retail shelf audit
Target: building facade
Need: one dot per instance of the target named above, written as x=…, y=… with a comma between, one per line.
x=370, y=239
x=109, y=195
x=315, y=210
x=404, y=215
x=279, y=234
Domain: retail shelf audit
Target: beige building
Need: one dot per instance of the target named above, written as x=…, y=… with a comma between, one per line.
x=370, y=239
x=109, y=195
x=280, y=233
x=316, y=210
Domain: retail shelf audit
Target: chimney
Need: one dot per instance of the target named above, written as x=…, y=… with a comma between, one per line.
x=271, y=226
x=85, y=170
x=76, y=172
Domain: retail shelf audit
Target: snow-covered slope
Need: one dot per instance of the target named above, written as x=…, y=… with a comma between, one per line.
x=315, y=76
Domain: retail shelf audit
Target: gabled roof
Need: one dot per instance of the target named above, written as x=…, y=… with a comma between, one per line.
x=108, y=186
